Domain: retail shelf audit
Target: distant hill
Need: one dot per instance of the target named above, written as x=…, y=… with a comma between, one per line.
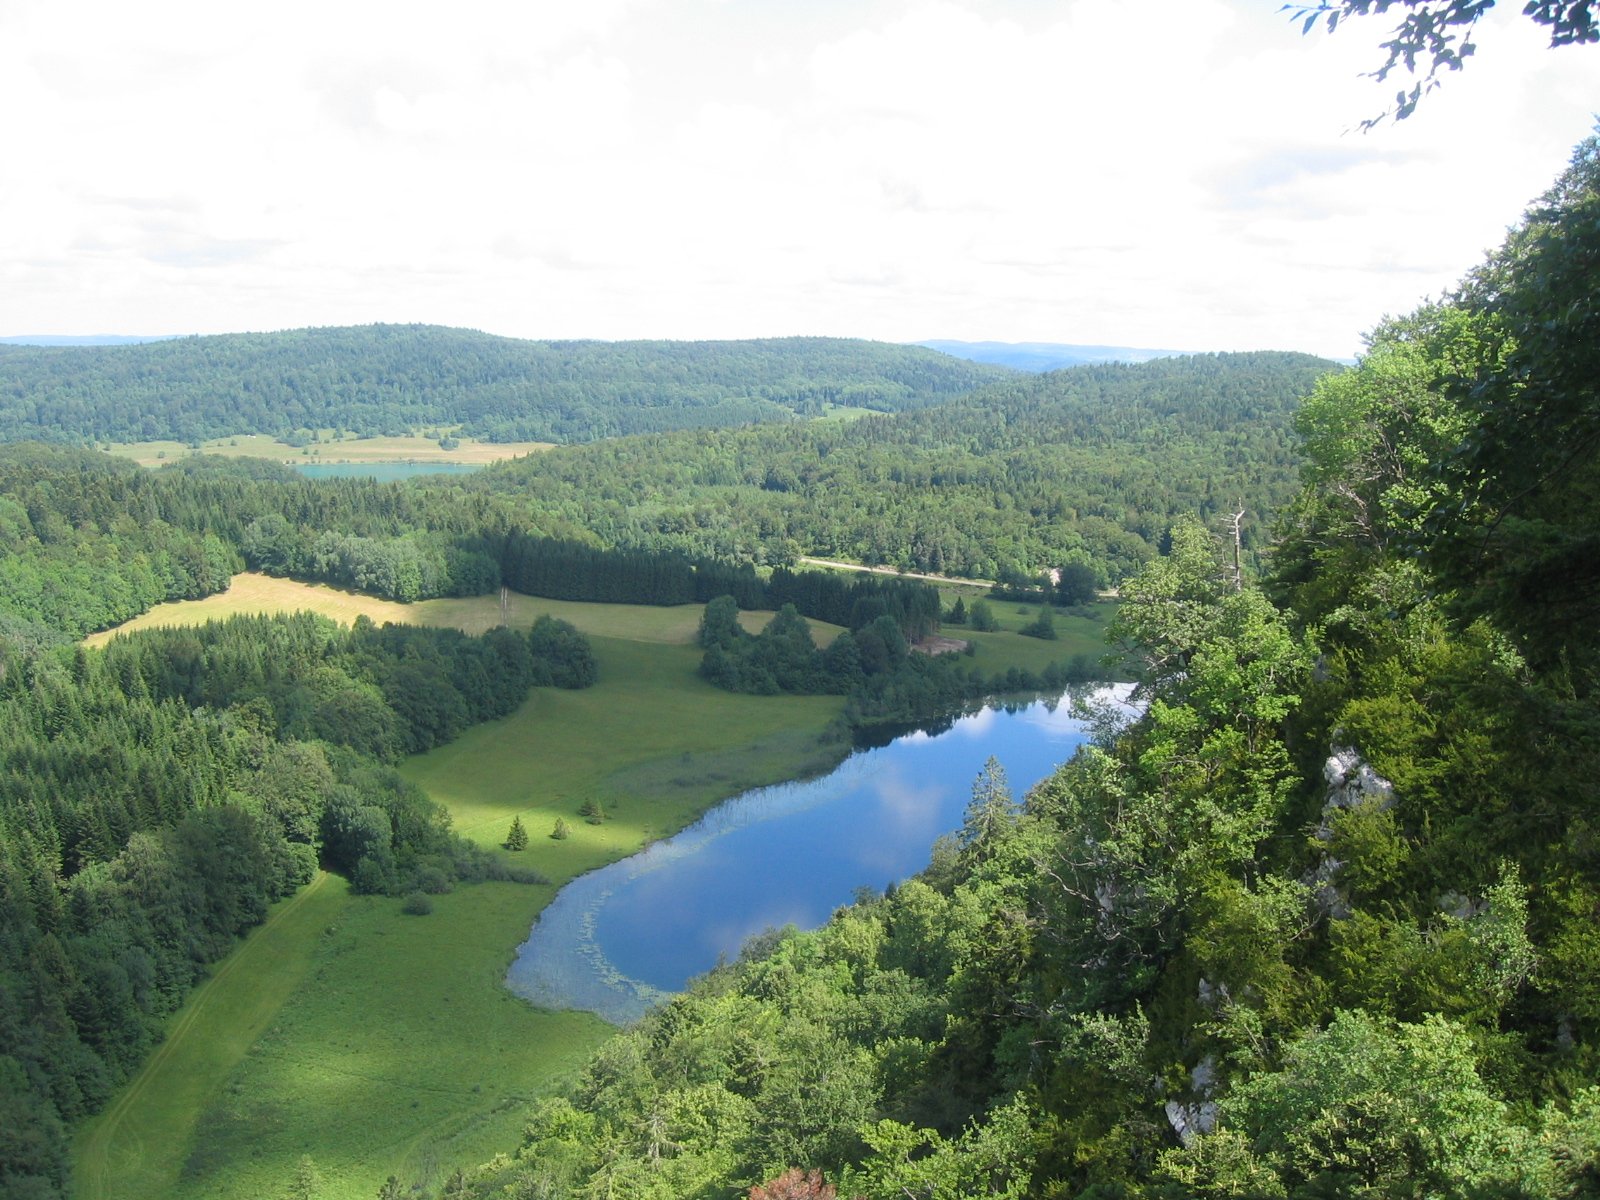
x=85, y=339
x=386, y=379
x=1092, y=464
x=1045, y=356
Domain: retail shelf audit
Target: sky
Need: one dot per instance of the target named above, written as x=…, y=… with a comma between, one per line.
x=1174, y=174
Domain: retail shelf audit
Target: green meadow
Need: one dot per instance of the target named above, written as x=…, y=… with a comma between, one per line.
x=372, y=1042
x=329, y=449
x=254, y=593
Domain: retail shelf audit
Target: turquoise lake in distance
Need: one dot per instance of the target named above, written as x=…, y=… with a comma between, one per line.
x=382, y=472
x=621, y=938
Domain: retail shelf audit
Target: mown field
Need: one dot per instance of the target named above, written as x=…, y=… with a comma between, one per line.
x=347, y=450
x=253, y=593
x=372, y=1042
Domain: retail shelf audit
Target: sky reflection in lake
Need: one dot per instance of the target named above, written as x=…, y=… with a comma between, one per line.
x=618, y=939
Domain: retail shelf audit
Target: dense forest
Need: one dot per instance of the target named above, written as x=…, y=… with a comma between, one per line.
x=1322, y=922
x=1082, y=469
x=1090, y=465
x=392, y=379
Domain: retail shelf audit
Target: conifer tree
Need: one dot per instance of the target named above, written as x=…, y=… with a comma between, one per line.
x=517, y=839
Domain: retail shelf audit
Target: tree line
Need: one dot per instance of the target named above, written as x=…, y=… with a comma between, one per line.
x=872, y=662
x=91, y=541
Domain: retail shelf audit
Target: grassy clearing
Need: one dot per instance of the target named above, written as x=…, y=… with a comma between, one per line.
x=252, y=593
x=400, y=1053
x=846, y=412
x=137, y=1145
x=653, y=743
x=1004, y=649
x=347, y=450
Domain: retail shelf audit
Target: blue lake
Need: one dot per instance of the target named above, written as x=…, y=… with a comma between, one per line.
x=383, y=472
x=617, y=940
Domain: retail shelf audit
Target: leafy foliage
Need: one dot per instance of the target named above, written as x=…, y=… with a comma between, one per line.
x=1439, y=33
x=1088, y=466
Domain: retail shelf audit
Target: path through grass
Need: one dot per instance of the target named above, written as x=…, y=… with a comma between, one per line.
x=130, y=1148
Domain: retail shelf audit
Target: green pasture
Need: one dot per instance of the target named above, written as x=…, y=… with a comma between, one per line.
x=1004, y=649
x=399, y=1052
x=137, y=1145
x=652, y=742
x=349, y=449
x=253, y=593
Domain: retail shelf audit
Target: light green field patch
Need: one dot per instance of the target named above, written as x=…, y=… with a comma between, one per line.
x=653, y=743
x=137, y=1146
x=400, y=1053
x=327, y=450
x=254, y=593
x=846, y=412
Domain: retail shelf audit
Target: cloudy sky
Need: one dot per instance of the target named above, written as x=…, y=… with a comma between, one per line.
x=1183, y=174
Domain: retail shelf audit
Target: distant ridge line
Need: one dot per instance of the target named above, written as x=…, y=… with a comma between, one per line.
x=1046, y=356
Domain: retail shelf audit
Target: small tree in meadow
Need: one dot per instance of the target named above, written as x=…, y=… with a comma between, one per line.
x=307, y=1181
x=561, y=832
x=1042, y=626
x=517, y=839
x=592, y=812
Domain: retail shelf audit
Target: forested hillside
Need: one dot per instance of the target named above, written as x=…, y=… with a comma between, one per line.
x=1323, y=922
x=1090, y=465
x=391, y=379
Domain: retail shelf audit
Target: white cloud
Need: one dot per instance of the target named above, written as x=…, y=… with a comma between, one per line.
x=1181, y=173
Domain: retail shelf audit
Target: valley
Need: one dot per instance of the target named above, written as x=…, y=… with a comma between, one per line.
x=289, y=766
x=403, y=1024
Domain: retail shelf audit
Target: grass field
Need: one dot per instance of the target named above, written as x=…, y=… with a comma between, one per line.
x=377, y=1043
x=1003, y=649
x=131, y=1148
x=348, y=450
x=255, y=593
